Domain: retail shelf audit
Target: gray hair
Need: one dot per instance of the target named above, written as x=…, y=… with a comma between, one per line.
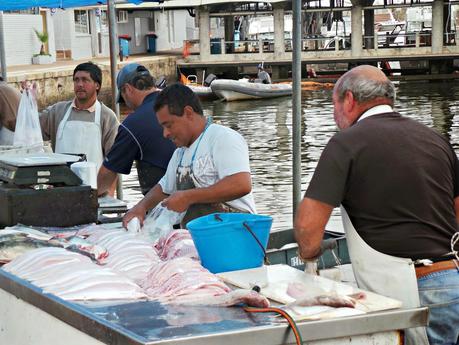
x=364, y=89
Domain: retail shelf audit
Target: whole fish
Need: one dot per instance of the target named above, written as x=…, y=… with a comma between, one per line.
x=232, y=298
x=306, y=296
x=80, y=245
x=336, y=301
x=13, y=245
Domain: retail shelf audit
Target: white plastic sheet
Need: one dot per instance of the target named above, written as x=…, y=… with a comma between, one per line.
x=28, y=130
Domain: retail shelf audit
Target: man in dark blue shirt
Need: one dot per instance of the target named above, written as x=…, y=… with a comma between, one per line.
x=140, y=137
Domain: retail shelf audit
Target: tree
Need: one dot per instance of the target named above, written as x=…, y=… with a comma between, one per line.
x=43, y=38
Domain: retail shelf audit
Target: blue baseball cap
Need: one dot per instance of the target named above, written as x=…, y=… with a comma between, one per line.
x=127, y=74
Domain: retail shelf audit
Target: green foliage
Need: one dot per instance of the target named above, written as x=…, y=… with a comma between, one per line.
x=43, y=38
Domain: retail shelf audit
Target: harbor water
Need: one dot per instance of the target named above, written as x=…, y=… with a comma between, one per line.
x=267, y=127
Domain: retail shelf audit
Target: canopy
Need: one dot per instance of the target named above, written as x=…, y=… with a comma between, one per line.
x=14, y=5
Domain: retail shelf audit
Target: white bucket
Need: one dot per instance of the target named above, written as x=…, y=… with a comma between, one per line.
x=87, y=172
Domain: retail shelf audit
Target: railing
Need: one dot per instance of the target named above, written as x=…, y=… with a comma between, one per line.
x=401, y=40
x=320, y=43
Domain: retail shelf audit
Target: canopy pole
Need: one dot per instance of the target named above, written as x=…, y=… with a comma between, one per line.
x=2, y=49
x=296, y=103
x=113, y=69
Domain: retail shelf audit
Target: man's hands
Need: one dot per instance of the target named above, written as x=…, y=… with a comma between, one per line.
x=28, y=86
x=153, y=198
x=179, y=201
x=137, y=211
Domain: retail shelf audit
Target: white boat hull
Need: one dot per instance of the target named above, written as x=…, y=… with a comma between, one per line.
x=229, y=95
x=203, y=92
x=233, y=90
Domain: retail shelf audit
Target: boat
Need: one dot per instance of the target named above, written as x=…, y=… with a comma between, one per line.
x=234, y=90
x=203, y=91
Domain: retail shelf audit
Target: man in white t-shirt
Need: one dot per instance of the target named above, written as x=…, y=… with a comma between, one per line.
x=208, y=172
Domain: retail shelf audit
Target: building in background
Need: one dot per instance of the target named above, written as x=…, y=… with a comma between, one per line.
x=21, y=42
x=172, y=26
x=82, y=33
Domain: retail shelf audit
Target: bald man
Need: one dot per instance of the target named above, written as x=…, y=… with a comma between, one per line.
x=398, y=181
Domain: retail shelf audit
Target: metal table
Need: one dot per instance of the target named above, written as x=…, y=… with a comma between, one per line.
x=52, y=319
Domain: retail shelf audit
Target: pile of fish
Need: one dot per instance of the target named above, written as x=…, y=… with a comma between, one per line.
x=128, y=267
x=72, y=276
x=128, y=254
x=176, y=244
x=95, y=263
x=182, y=280
x=169, y=271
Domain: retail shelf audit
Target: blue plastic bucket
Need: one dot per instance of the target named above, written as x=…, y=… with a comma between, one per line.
x=225, y=243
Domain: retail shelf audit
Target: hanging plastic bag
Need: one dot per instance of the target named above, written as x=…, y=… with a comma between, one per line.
x=28, y=130
x=160, y=221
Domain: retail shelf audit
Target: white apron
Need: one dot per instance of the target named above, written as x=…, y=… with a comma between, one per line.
x=384, y=274
x=81, y=137
x=6, y=136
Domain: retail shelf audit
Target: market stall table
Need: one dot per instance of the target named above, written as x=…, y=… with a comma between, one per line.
x=29, y=316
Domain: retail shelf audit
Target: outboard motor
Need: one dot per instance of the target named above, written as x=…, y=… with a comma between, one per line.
x=210, y=78
x=161, y=83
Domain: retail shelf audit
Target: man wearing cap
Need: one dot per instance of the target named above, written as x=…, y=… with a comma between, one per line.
x=9, y=103
x=83, y=125
x=139, y=137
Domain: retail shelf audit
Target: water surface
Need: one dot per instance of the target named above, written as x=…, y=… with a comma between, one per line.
x=266, y=126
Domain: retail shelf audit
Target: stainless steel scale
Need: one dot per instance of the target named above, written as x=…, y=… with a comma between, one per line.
x=40, y=189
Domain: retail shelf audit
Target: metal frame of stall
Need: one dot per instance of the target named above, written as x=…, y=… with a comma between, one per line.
x=150, y=322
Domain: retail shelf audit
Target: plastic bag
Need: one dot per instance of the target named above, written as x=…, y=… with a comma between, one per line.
x=133, y=226
x=160, y=221
x=28, y=130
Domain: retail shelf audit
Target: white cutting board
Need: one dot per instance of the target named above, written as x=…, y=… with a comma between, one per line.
x=274, y=280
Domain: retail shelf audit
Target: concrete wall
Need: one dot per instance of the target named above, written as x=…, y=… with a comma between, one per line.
x=57, y=86
x=82, y=46
x=171, y=31
x=168, y=25
x=105, y=45
x=51, y=35
x=64, y=27
x=129, y=29
x=21, y=43
x=192, y=29
x=161, y=26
